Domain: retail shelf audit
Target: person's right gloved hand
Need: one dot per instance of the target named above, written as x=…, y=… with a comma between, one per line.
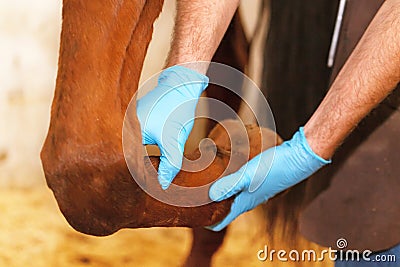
x=264, y=176
x=166, y=116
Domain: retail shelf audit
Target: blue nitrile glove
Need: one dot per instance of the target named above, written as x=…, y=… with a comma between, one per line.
x=264, y=176
x=166, y=116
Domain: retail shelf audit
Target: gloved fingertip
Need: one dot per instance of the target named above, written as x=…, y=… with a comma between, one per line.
x=215, y=194
x=224, y=223
x=164, y=183
x=165, y=180
x=209, y=228
x=216, y=227
x=166, y=173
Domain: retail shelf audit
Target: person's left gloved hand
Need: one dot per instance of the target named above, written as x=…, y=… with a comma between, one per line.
x=166, y=116
x=264, y=176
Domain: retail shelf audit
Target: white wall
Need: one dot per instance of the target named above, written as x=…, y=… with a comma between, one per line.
x=29, y=33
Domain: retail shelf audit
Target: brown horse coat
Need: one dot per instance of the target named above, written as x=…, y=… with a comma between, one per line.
x=103, y=46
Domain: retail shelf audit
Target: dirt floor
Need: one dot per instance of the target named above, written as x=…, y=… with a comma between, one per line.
x=34, y=233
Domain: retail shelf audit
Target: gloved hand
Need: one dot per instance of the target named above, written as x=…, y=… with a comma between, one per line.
x=264, y=176
x=166, y=116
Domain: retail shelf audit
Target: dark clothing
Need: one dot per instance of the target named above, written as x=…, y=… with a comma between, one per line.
x=362, y=196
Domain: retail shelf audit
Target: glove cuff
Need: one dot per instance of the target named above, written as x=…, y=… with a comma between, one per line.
x=179, y=76
x=317, y=160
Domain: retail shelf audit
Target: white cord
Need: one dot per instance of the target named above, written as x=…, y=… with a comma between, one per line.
x=335, y=37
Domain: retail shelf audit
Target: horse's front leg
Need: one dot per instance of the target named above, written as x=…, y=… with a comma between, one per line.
x=205, y=245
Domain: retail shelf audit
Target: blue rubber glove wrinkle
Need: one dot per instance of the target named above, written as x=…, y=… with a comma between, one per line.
x=166, y=116
x=266, y=175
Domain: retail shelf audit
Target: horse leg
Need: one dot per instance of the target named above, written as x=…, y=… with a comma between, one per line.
x=205, y=244
x=102, y=49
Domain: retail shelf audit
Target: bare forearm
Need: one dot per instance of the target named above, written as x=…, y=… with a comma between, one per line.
x=199, y=28
x=369, y=75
